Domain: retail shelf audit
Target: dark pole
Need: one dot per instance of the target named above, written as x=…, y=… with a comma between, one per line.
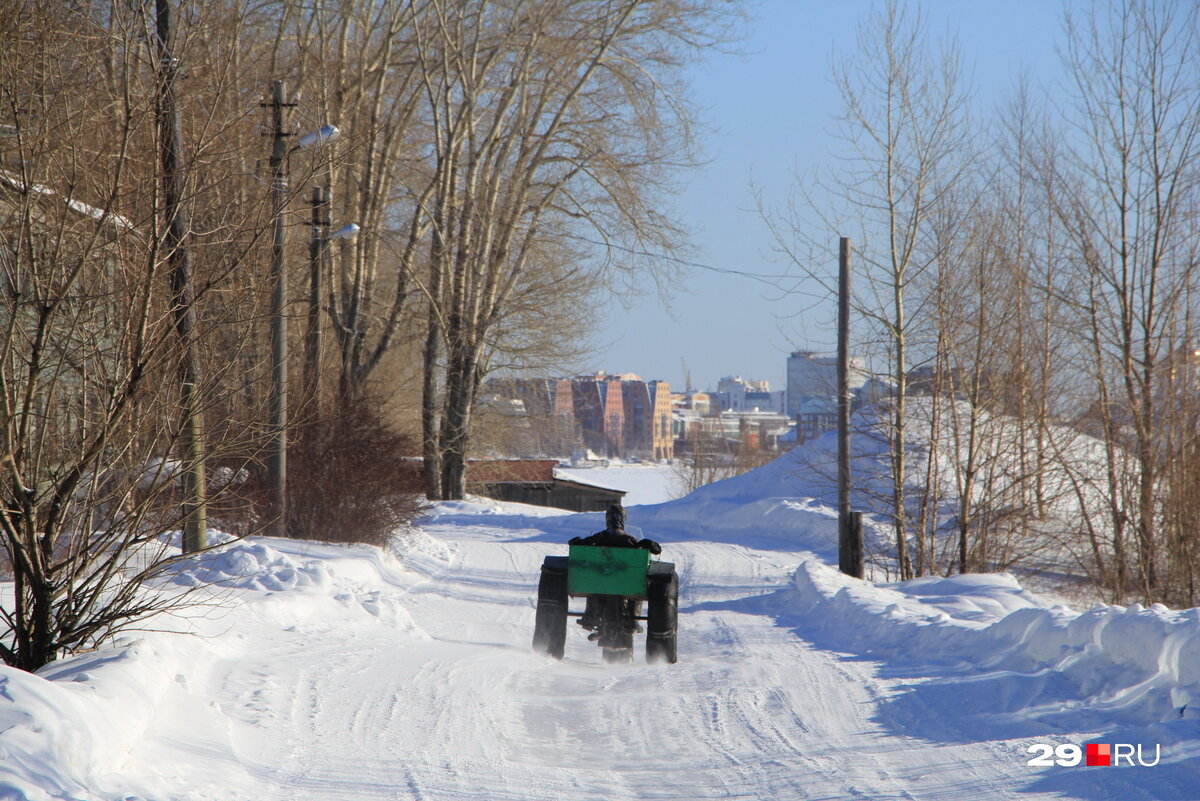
x=317, y=245
x=277, y=425
x=850, y=547
x=191, y=445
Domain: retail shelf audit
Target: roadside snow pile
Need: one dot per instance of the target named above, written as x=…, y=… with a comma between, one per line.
x=252, y=565
x=68, y=730
x=174, y=539
x=1136, y=664
x=284, y=566
x=77, y=720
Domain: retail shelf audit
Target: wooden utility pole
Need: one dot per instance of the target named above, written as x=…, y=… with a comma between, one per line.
x=850, y=543
x=317, y=245
x=178, y=230
x=277, y=424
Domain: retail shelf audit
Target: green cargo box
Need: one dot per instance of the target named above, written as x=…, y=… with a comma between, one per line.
x=596, y=570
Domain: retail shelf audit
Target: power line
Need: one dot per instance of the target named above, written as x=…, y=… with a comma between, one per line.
x=764, y=278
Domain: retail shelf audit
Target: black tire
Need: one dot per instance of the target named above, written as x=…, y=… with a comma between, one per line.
x=616, y=640
x=550, y=624
x=662, y=619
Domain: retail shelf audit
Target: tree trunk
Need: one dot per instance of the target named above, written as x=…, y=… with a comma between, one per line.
x=430, y=417
x=461, y=386
x=191, y=446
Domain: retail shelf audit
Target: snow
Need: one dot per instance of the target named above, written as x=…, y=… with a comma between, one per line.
x=644, y=483
x=1132, y=665
x=305, y=670
x=19, y=183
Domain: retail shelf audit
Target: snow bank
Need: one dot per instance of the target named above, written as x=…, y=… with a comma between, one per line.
x=77, y=720
x=1140, y=665
x=304, y=572
x=252, y=565
x=787, y=502
x=71, y=725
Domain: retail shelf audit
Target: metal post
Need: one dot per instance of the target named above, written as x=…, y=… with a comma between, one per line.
x=850, y=548
x=277, y=425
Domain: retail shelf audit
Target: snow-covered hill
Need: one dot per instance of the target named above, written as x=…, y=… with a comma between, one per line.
x=327, y=672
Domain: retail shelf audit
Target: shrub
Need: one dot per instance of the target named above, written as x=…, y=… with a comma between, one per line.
x=351, y=479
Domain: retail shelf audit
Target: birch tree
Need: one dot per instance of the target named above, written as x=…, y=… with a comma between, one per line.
x=1128, y=201
x=905, y=131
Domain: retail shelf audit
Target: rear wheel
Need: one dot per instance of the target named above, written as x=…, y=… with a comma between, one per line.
x=662, y=619
x=620, y=656
x=616, y=637
x=550, y=624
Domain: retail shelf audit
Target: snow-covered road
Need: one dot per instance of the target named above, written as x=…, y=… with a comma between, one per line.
x=331, y=673
x=454, y=706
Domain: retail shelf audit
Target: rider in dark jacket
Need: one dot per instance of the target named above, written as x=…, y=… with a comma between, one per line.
x=613, y=536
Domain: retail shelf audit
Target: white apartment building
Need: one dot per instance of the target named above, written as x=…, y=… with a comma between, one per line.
x=812, y=375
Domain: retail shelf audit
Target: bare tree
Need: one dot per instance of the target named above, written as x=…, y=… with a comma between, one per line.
x=89, y=353
x=1128, y=202
x=907, y=142
x=357, y=63
x=558, y=119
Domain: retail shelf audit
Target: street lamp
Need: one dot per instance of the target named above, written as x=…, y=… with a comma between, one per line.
x=277, y=424
x=323, y=135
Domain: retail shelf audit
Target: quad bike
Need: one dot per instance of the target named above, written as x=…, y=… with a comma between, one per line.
x=616, y=580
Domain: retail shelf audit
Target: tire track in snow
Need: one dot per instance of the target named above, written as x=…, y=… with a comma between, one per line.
x=348, y=709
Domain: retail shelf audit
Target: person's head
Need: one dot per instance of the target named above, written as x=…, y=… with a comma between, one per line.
x=614, y=518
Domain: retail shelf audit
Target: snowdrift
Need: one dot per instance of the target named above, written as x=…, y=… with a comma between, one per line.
x=78, y=720
x=1132, y=664
x=790, y=502
x=793, y=500
x=71, y=725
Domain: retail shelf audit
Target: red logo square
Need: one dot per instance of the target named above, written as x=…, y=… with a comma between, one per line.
x=1099, y=754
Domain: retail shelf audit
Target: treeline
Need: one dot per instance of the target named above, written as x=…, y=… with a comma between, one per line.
x=1031, y=268
x=501, y=159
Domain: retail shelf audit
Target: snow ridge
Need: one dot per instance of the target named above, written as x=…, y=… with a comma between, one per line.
x=1134, y=664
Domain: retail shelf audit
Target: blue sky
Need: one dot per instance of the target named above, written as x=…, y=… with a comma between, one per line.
x=770, y=115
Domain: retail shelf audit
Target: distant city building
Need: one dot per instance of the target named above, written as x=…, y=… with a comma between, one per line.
x=535, y=395
x=639, y=411
x=588, y=408
x=613, y=415
x=731, y=392
x=700, y=402
x=811, y=375
x=662, y=438
x=755, y=429
x=815, y=416
x=736, y=394
x=564, y=398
